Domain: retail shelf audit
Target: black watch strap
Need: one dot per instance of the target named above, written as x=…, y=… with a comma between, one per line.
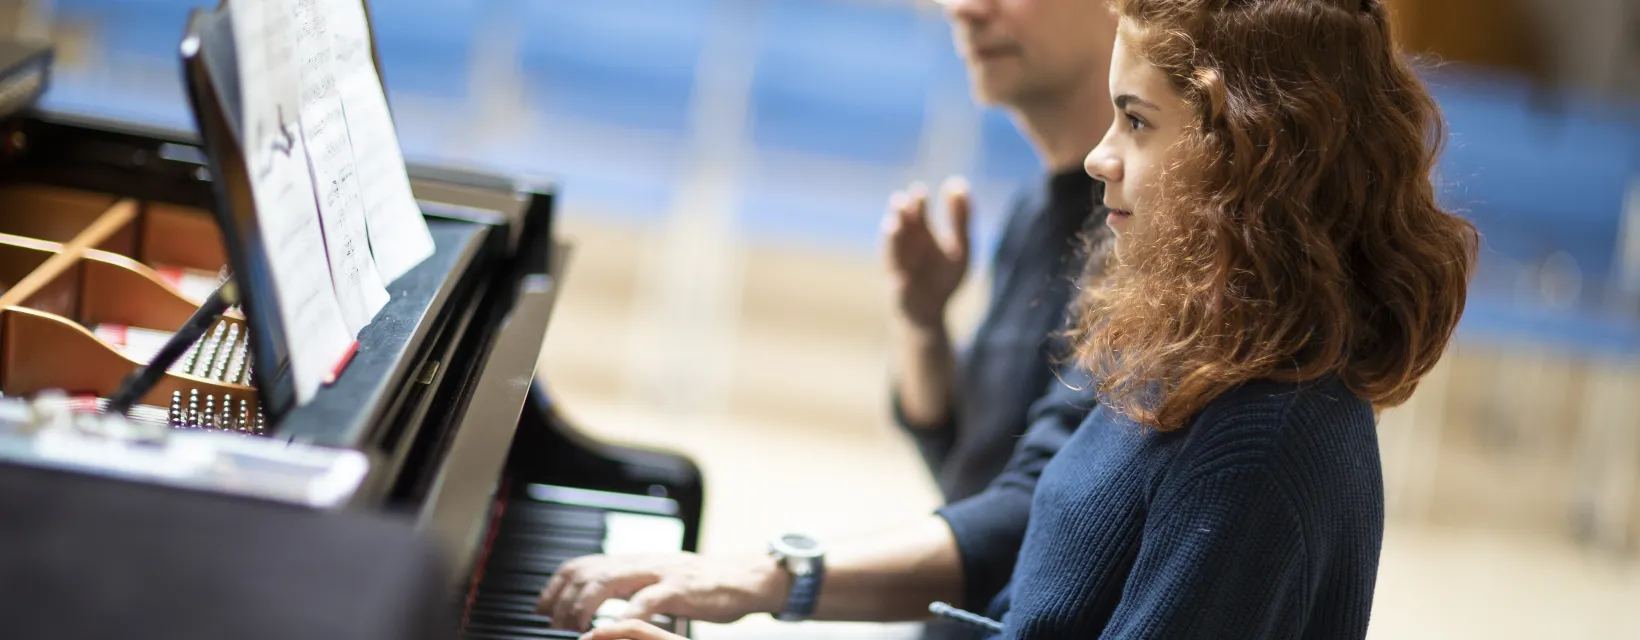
x=805, y=593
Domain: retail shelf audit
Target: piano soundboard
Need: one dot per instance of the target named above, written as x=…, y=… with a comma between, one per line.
x=108, y=243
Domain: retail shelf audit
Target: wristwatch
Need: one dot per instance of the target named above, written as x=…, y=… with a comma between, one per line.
x=805, y=559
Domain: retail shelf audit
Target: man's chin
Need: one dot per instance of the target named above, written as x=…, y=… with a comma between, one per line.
x=992, y=92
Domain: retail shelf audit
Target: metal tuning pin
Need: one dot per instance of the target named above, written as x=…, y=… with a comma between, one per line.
x=207, y=353
x=224, y=420
x=225, y=353
x=245, y=417
x=247, y=379
x=186, y=362
x=208, y=419
x=176, y=409
x=193, y=410
x=261, y=426
x=236, y=367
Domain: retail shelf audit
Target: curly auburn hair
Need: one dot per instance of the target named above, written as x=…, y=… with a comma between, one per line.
x=1300, y=237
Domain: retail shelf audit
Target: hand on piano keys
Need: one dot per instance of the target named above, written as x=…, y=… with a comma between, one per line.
x=545, y=531
x=682, y=585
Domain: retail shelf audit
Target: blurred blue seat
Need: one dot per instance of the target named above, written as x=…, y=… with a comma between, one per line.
x=626, y=62
x=426, y=46
x=138, y=76
x=844, y=79
x=1586, y=334
x=1537, y=182
x=143, y=28
x=834, y=219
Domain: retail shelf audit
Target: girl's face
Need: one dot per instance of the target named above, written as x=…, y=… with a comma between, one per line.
x=1150, y=121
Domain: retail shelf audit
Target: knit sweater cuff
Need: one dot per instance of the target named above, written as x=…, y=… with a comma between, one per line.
x=933, y=442
x=989, y=529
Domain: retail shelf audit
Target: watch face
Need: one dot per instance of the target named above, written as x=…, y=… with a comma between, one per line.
x=796, y=545
x=799, y=543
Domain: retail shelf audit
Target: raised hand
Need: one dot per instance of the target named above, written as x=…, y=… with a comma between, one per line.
x=925, y=268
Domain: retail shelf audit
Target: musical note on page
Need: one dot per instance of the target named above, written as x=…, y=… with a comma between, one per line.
x=316, y=335
x=330, y=152
x=398, y=232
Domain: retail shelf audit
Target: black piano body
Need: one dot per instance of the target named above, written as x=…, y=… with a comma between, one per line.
x=442, y=395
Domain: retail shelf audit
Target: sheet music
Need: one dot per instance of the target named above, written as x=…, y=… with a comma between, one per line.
x=398, y=232
x=316, y=335
x=330, y=151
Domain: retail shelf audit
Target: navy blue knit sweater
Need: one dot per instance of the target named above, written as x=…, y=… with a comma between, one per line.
x=1261, y=519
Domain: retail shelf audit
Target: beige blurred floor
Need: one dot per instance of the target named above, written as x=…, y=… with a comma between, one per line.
x=797, y=439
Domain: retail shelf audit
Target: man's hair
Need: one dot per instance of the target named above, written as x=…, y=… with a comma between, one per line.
x=1299, y=236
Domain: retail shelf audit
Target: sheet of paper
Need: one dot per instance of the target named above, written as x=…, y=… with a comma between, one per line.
x=398, y=232
x=316, y=336
x=359, y=287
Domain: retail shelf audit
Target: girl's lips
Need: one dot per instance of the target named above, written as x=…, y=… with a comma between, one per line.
x=1118, y=218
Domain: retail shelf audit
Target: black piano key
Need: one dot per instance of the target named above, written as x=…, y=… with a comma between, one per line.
x=510, y=598
x=489, y=591
x=506, y=575
x=505, y=604
x=551, y=540
x=552, y=633
x=524, y=552
x=492, y=636
x=546, y=537
x=509, y=603
x=519, y=631
x=534, y=552
x=508, y=618
x=513, y=583
x=534, y=556
x=541, y=568
x=563, y=517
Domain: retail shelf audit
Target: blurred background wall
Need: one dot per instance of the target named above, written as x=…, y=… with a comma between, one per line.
x=723, y=165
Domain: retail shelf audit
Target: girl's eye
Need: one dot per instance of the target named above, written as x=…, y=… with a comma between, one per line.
x=1134, y=123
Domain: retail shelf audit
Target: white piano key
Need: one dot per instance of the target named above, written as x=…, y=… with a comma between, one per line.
x=626, y=533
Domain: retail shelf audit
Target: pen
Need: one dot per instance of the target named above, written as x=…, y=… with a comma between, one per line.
x=975, y=620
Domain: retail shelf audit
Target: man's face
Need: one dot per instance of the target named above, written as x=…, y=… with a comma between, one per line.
x=1021, y=51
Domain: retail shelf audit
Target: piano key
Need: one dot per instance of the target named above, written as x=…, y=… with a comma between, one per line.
x=551, y=540
x=568, y=517
x=503, y=617
x=517, y=634
x=629, y=533
x=508, y=601
x=520, y=631
x=513, y=587
x=532, y=539
x=505, y=602
x=542, y=569
x=549, y=633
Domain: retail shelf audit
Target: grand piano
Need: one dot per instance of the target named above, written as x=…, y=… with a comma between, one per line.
x=465, y=443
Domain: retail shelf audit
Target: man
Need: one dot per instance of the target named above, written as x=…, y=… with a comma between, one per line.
x=1047, y=62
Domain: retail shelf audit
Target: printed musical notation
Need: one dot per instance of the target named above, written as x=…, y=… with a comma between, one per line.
x=359, y=287
x=317, y=335
x=398, y=233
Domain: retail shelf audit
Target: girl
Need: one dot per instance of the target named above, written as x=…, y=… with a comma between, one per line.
x=1279, y=272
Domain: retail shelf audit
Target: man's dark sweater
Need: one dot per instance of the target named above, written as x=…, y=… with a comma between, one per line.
x=1263, y=518
x=1013, y=353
